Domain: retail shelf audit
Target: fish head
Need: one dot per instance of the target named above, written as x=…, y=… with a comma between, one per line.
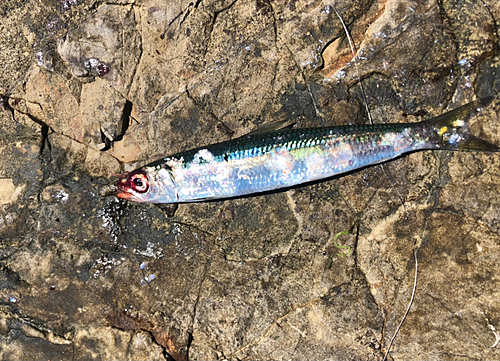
x=146, y=186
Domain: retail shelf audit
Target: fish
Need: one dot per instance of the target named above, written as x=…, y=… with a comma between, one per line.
x=270, y=159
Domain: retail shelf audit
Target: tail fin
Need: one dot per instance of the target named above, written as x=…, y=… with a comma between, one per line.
x=453, y=131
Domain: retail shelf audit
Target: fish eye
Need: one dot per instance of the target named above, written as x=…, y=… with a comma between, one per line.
x=139, y=182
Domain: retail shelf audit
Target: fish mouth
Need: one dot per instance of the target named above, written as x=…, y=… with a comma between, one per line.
x=122, y=185
x=123, y=195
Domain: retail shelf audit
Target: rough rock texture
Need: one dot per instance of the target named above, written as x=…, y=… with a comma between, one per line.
x=90, y=89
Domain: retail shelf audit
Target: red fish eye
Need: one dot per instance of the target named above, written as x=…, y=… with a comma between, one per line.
x=139, y=182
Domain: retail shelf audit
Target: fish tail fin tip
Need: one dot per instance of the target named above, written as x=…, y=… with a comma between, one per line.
x=473, y=143
x=486, y=100
x=463, y=113
x=453, y=130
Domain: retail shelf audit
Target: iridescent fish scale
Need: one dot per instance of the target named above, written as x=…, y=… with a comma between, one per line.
x=283, y=159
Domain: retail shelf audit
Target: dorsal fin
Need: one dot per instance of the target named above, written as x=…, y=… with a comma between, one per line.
x=270, y=127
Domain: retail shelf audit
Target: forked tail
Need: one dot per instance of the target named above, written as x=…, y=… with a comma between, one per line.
x=453, y=132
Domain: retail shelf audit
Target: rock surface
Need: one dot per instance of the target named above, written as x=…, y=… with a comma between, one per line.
x=90, y=89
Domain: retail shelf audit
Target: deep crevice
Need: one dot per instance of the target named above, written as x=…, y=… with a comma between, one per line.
x=188, y=346
x=44, y=130
x=45, y=139
x=107, y=142
x=125, y=120
x=4, y=102
x=325, y=46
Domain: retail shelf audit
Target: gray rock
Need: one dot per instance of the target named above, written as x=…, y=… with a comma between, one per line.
x=323, y=271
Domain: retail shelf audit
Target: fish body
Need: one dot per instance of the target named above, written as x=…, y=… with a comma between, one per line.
x=284, y=158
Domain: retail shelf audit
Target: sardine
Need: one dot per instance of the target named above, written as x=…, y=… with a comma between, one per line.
x=283, y=158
